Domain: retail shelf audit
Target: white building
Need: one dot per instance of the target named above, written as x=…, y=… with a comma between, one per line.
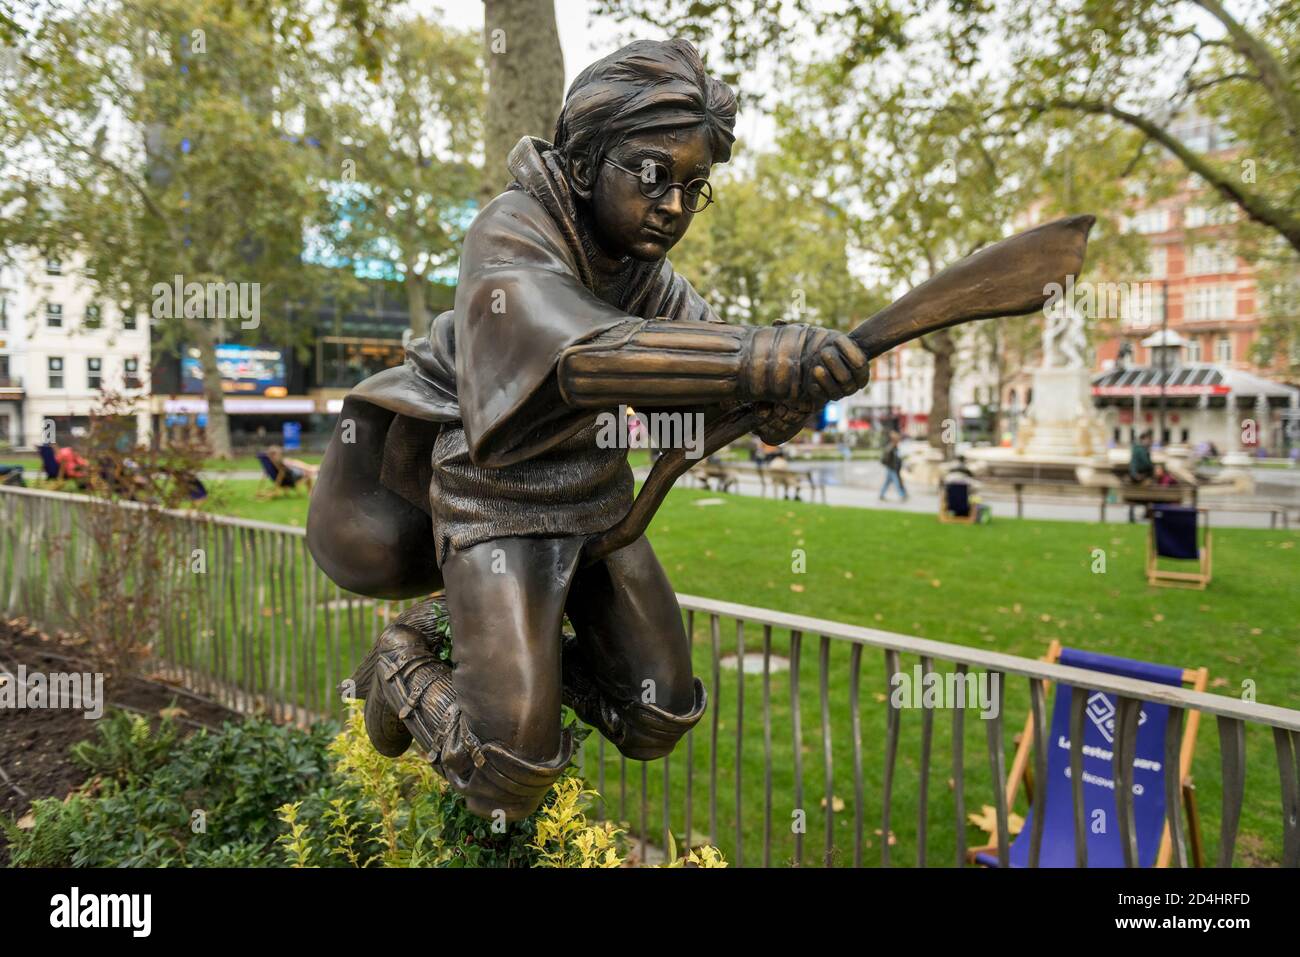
x=61, y=345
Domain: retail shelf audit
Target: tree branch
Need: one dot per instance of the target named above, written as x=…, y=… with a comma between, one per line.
x=1254, y=205
x=1271, y=72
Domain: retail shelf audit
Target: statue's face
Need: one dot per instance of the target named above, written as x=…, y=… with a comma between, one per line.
x=627, y=222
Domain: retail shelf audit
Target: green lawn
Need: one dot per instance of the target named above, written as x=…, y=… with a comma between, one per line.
x=1011, y=586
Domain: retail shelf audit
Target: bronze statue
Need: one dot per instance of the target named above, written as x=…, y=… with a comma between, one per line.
x=475, y=467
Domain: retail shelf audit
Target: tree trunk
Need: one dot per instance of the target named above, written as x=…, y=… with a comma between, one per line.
x=415, y=302
x=942, y=348
x=525, y=81
x=218, y=430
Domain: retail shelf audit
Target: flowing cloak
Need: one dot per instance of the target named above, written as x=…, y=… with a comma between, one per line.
x=471, y=431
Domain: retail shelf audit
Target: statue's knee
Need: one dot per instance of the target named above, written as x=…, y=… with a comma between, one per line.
x=644, y=731
x=495, y=779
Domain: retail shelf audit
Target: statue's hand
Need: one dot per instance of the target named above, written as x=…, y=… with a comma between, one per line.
x=833, y=366
x=781, y=423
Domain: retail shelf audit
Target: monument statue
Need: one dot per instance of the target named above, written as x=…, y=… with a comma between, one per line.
x=475, y=469
x=1064, y=339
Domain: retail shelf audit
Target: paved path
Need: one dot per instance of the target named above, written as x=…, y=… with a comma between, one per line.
x=857, y=484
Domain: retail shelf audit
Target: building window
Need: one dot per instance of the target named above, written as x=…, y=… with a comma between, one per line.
x=4, y=370
x=53, y=267
x=1197, y=216
x=1211, y=302
x=1158, y=262
x=1150, y=221
x=1146, y=303
x=1209, y=258
x=4, y=314
x=94, y=373
x=1193, y=350
x=93, y=318
x=128, y=320
x=1223, y=349
x=54, y=315
x=131, y=372
x=55, y=366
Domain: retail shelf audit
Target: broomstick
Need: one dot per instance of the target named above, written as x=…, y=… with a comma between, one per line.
x=1008, y=278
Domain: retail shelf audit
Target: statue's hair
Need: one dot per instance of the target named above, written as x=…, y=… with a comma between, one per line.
x=648, y=84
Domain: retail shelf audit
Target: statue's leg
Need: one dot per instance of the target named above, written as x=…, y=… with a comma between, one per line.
x=505, y=746
x=628, y=670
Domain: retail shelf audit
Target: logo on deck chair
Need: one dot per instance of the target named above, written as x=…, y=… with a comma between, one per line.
x=1102, y=713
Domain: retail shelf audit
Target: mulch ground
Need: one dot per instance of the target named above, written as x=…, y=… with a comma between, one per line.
x=34, y=743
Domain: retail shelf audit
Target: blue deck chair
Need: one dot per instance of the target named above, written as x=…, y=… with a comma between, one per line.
x=1104, y=849
x=197, y=491
x=53, y=471
x=282, y=477
x=11, y=475
x=955, y=504
x=1176, y=533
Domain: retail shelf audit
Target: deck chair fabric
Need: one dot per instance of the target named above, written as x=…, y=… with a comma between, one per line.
x=1104, y=849
x=280, y=477
x=1176, y=532
x=49, y=463
x=958, y=496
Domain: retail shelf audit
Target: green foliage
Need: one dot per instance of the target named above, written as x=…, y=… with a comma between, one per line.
x=219, y=800
x=400, y=813
x=204, y=801
x=50, y=841
x=127, y=747
x=774, y=247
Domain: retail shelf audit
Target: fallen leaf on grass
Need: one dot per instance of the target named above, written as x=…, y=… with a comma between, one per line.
x=837, y=804
x=987, y=820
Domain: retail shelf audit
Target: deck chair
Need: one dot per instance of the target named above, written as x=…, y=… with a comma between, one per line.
x=49, y=464
x=1175, y=534
x=955, y=506
x=194, y=486
x=283, y=479
x=1154, y=845
x=12, y=475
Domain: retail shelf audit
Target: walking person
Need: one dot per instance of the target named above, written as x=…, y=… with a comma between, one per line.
x=892, y=460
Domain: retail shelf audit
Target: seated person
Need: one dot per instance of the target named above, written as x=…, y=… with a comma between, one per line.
x=72, y=464
x=1163, y=478
x=961, y=468
x=297, y=468
x=1140, y=467
x=960, y=474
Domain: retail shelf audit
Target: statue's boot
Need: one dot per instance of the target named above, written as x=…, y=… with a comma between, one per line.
x=410, y=698
x=639, y=729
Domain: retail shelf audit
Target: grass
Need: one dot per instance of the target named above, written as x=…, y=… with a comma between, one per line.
x=1012, y=586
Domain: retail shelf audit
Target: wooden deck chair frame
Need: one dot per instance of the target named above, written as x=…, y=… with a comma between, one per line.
x=1163, y=578
x=948, y=518
x=1022, y=765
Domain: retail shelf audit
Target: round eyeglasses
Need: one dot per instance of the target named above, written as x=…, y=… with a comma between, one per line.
x=656, y=180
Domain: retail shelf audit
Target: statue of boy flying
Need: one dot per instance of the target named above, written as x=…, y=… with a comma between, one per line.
x=475, y=466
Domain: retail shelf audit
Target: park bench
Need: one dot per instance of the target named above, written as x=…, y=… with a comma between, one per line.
x=713, y=473
x=1275, y=512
